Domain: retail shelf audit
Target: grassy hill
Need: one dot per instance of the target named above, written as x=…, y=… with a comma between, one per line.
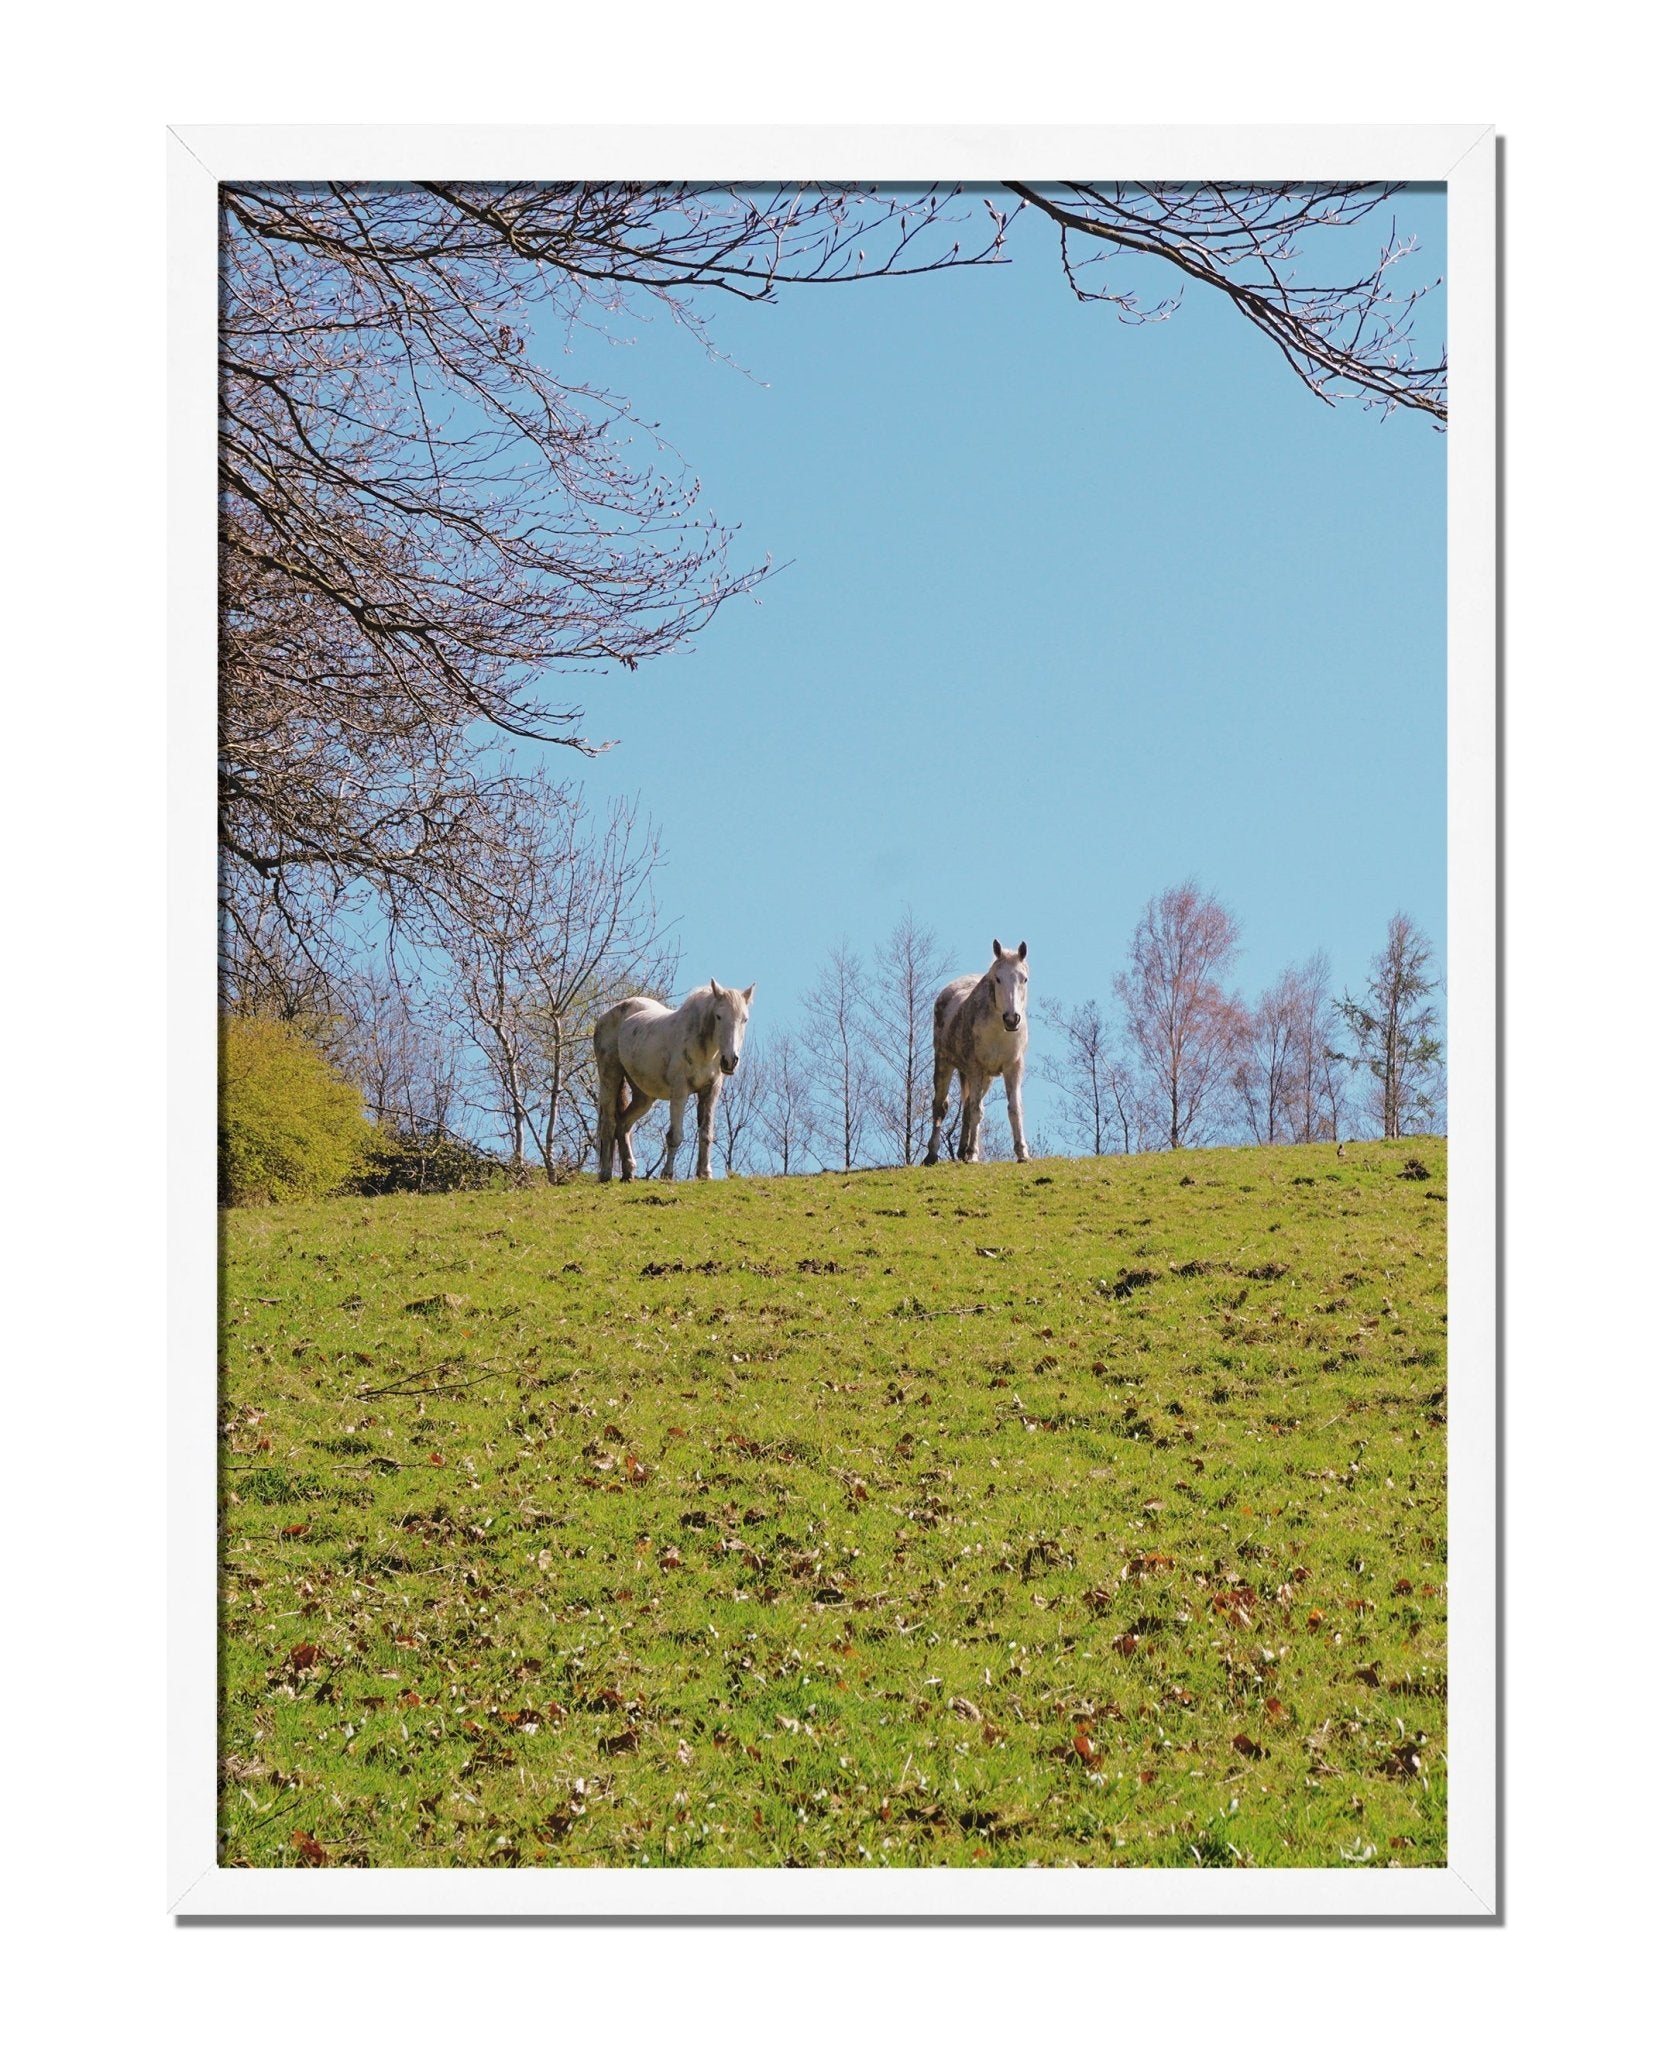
x=1075, y=1512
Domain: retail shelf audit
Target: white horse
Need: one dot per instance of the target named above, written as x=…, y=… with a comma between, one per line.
x=646, y=1053
x=979, y=1030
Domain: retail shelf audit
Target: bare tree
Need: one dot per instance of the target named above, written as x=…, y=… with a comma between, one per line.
x=404, y=1055
x=556, y=921
x=487, y=987
x=908, y=969
x=1264, y=1077
x=1131, y=1104
x=786, y=1102
x=737, y=1120
x=603, y=939
x=409, y=1055
x=835, y=1041
x=1097, y=1086
x=1291, y=1086
x=1318, y=1077
x=1335, y=1096
x=1393, y=1032
x=1183, y=1027
x=267, y=968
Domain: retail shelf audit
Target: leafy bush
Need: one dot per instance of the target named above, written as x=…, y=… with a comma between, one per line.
x=406, y=1163
x=290, y=1127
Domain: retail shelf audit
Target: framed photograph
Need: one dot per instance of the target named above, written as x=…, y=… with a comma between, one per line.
x=834, y=1045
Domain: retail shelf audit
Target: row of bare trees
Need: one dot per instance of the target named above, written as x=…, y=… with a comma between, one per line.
x=1177, y=1058
x=846, y=1085
x=472, y=1026
x=474, y=1030
x=851, y=1085
x=1185, y=1060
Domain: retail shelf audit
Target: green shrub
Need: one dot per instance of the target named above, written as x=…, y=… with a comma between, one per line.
x=404, y=1163
x=290, y=1126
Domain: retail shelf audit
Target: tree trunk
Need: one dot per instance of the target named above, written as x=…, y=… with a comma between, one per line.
x=556, y=1079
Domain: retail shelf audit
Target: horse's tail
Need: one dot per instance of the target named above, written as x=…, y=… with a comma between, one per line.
x=611, y=1095
x=942, y=1012
x=610, y=1068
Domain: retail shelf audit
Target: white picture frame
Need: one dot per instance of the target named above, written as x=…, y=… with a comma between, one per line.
x=1463, y=158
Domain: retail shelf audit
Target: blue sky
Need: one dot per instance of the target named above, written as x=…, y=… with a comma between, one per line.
x=1066, y=610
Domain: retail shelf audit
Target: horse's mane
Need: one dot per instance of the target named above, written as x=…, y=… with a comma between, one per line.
x=702, y=1004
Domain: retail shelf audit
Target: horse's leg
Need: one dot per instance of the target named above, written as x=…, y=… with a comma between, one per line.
x=674, y=1136
x=706, y=1110
x=973, y=1087
x=942, y=1074
x=1015, y=1109
x=633, y=1113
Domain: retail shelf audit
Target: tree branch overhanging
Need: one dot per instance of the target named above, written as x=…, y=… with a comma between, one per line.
x=1351, y=339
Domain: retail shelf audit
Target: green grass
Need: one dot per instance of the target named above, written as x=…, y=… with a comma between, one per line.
x=1080, y=1512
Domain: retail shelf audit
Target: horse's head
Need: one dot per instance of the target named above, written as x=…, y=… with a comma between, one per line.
x=1010, y=979
x=726, y=1023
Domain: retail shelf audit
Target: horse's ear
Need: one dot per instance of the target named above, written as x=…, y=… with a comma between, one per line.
x=997, y=949
x=746, y=993
x=1023, y=949
x=716, y=991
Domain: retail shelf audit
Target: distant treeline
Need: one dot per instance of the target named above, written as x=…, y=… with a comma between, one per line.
x=465, y=1044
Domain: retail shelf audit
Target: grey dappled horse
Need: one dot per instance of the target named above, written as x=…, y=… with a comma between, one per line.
x=979, y=1030
x=647, y=1053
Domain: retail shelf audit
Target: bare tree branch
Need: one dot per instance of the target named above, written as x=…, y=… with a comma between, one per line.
x=1393, y=1030
x=1347, y=339
x=1183, y=1026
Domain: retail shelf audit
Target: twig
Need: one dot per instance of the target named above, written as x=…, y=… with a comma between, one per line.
x=405, y=1382
x=266, y=1820
x=406, y=1392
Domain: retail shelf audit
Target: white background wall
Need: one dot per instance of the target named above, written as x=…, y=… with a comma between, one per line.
x=83, y=1634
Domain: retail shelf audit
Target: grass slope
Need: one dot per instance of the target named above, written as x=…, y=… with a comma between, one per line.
x=1083, y=1512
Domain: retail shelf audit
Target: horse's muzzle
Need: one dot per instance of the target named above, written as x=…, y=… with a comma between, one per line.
x=728, y=1065
x=1010, y=1019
